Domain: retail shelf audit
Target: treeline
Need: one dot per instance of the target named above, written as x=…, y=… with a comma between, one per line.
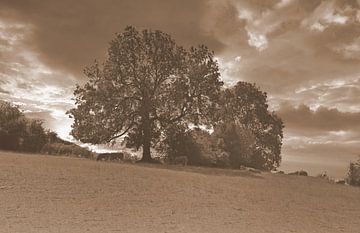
x=18, y=133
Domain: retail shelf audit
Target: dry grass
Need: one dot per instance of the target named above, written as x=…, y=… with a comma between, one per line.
x=57, y=194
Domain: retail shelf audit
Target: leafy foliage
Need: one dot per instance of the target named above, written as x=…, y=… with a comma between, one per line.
x=147, y=84
x=245, y=105
x=12, y=126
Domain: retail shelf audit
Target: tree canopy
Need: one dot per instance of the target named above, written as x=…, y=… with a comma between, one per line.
x=245, y=105
x=146, y=84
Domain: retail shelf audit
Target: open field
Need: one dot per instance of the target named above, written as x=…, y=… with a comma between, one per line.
x=58, y=194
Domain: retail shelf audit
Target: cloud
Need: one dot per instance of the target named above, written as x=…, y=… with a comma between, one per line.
x=343, y=94
x=333, y=159
x=321, y=120
x=25, y=81
x=257, y=40
x=322, y=139
x=350, y=50
x=51, y=119
x=4, y=91
x=70, y=35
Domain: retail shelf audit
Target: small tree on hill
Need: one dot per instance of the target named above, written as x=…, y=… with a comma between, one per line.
x=245, y=105
x=146, y=84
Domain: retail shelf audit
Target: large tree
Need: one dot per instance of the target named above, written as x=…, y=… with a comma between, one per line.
x=147, y=83
x=246, y=105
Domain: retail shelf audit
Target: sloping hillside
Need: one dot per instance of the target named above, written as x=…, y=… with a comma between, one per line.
x=58, y=194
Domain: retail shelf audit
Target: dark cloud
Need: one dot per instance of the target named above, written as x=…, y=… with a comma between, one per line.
x=4, y=91
x=295, y=54
x=321, y=120
x=223, y=22
x=70, y=35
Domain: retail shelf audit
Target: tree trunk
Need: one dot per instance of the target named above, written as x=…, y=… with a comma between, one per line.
x=146, y=133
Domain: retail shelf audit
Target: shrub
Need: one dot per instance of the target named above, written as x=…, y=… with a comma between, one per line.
x=353, y=177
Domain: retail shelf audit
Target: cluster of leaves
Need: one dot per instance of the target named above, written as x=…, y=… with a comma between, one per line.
x=353, y=177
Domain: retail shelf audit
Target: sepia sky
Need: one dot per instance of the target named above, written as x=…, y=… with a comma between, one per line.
x=304, y=53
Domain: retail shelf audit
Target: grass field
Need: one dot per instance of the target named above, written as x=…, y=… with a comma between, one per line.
x=58, y=194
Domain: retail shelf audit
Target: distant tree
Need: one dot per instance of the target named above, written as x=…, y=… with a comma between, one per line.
x=353, y=177
x=12, y=126
x=146, y=84
x=34, y=137
x=245, y=105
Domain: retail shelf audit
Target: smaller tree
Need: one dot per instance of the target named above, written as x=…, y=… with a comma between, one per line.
x=353, y=177
x=245, y=105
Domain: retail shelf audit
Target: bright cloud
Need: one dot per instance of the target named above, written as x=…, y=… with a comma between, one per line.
x=257, y=40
